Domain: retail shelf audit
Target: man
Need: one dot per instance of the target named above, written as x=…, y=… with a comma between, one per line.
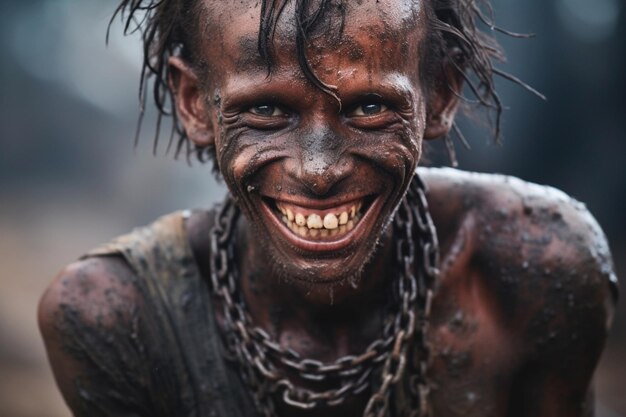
x=334, y=281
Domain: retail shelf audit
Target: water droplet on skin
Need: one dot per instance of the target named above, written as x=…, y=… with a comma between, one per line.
x=471, y=397
x=457, y=319
x=354, y=282
x=278, y=187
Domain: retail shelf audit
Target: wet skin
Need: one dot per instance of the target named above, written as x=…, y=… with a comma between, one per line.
x=282, y=140
x=524, y=304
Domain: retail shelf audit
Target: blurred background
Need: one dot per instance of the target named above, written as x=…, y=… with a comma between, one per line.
x=70, y=178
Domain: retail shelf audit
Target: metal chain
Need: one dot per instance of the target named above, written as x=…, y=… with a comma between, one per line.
x=260, y=357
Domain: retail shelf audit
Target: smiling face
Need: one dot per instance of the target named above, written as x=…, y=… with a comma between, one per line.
x=317, y=176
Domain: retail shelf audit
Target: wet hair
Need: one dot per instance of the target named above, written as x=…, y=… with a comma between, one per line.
x=460, y=33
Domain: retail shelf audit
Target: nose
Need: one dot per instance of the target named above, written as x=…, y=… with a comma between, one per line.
x=321, y=165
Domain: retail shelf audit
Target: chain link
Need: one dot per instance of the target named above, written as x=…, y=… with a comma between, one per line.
x=262, y=361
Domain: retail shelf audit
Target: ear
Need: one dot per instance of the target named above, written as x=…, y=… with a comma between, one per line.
x=190, y=103
x=443, y=101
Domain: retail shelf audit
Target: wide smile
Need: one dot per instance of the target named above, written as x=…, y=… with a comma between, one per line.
x=323, y=226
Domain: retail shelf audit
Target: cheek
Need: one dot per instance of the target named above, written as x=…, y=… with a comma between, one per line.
x=231, y=151
x=398, y=151
x=397, y=154
x=233, y=156
x=242, y=154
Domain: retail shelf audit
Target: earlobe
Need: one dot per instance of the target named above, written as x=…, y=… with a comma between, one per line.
x=190, y=103
x=443, y=102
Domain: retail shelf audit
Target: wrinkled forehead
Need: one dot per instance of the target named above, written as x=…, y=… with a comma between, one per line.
x=351, y=26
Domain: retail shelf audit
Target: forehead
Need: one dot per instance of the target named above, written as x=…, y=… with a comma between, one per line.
x=358, y=30
x=394, y=14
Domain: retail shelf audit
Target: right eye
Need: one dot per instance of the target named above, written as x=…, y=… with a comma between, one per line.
x=267, y=110
x=368, y=109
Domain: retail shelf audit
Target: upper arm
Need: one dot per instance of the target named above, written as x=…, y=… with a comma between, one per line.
x=87, y=318
x=555, y=273
x=546, y=281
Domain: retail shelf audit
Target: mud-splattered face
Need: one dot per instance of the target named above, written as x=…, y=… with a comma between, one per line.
x=318, y=180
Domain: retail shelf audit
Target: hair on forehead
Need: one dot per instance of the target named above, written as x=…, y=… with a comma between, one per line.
x=460, y=33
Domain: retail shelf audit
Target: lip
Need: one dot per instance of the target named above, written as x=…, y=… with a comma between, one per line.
x=324, y=247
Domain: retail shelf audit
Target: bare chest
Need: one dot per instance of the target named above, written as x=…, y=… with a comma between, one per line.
x=473, y=362
x=474, y=356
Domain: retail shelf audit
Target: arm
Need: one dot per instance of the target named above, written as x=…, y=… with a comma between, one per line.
x=566, y=299
x=547, y=274
x=564, y=349
x=87, y=317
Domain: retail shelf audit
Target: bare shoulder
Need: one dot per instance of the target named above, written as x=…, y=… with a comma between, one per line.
x=78, y=315
x=99, y=288
x=541, y=254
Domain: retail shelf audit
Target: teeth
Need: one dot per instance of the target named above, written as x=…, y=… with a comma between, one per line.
x=330, y=221
x=314, y=222
x=315, y=226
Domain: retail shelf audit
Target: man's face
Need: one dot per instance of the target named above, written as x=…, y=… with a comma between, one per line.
x=318, y=177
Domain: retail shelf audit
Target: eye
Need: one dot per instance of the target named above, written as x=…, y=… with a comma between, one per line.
x=267, y=110
x=368, y=109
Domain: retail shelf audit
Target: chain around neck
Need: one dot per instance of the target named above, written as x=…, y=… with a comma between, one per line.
x=262, y=361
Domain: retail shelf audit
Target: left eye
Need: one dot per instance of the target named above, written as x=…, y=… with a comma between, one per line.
x=368, y=109
x=267, y=110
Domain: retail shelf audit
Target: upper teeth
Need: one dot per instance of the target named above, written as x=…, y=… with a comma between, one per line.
x=331, y=221
x=313, y=221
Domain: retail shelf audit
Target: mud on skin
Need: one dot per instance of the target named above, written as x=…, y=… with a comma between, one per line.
x=525, y=285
